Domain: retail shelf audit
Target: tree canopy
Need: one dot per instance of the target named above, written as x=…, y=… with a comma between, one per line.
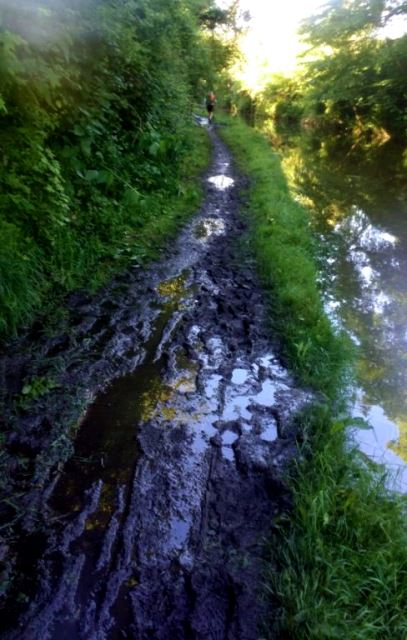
x=352, y=76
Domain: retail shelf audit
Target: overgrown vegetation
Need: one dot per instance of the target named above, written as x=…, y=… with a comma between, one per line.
x=341, y=557
x=351, y=79
x=95, y=98
x=338, y=561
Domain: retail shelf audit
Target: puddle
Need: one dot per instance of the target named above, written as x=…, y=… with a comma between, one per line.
x=212, y=386
x=156, y=394
x=203, y=431
x=186, y=374
x=174, y=288
x=179, y=532
x=236, y=408
x=269, y=431
x=221, y=182
x=240, y=376
x=266, y=397
x=209, y=227
x=106, y=445
x=228, y=453
x=229, y=437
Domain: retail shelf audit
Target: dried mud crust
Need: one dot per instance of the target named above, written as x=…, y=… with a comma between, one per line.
x=154, y=528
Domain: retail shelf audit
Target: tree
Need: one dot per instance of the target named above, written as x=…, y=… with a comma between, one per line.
x=356, y=74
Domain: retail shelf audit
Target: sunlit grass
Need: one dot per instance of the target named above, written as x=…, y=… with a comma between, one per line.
x=338, y=563
x=284, y=248
x=338, y=560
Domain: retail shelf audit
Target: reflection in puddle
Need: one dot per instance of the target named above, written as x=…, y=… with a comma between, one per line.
x=174, y=288
x=229, y=437
x=185, y=374
x=380, y=443
x=240, y=376
x=212, y=386
x=270, y=431
x=209, y=227
x=150, y=399
x=228, y=454
x=266, y=397
x=237, y=408
x=221, y=182
x=179, y=532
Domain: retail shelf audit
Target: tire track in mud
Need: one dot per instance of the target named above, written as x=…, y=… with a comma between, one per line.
x=154, y=527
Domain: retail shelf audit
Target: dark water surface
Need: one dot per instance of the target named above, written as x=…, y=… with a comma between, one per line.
x=357, y=198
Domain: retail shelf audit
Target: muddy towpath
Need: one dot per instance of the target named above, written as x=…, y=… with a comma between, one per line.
x=152, y=524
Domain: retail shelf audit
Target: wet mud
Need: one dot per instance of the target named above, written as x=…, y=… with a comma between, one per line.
x=149, y=466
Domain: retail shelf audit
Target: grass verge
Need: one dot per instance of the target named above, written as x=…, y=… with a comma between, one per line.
x=338, y=561
x=283, y=245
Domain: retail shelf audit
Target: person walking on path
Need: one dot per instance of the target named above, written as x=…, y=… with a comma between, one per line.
x=210, y=105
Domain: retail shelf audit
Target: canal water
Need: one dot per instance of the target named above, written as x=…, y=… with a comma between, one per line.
x=357, y=199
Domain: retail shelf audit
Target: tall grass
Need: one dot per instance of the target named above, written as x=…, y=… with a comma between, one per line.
x=22, y=282
x=338, y=560
x=338, y=563
x=284, y=249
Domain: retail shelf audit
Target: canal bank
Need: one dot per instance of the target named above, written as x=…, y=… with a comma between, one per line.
x=342, y=553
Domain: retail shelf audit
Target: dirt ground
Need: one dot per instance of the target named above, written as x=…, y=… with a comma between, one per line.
x=152, y=524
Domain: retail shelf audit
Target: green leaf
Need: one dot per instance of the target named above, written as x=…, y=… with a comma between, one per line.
x=360, y=423
x=154, y=148
x=92, y=175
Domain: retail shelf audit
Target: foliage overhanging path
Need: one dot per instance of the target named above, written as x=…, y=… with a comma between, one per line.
x=94, y=97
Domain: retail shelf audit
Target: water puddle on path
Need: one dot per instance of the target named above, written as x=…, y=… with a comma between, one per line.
x=221, y=182
x=208, y=228
x=88, y=502
x=175, y=288
x=106, y=447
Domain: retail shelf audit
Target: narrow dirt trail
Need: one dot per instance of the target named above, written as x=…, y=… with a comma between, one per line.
x=154, y=528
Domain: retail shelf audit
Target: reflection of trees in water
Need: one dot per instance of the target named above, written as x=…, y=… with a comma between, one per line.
x=338, y=182
x=336, y=176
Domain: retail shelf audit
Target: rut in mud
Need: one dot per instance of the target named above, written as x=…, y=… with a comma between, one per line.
x=154, y=528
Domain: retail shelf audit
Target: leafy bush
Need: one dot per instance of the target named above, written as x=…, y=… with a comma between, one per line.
x=93, y=104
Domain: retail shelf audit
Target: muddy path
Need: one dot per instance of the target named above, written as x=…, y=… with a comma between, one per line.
x=153, y=525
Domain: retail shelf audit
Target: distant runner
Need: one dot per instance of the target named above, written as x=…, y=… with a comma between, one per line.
x=210, y=105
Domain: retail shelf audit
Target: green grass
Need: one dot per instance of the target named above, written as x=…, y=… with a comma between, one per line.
x=284, y=248
x=338, y=563
x=338, y=560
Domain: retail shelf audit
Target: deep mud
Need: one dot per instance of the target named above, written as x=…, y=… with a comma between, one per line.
x=154, y=526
